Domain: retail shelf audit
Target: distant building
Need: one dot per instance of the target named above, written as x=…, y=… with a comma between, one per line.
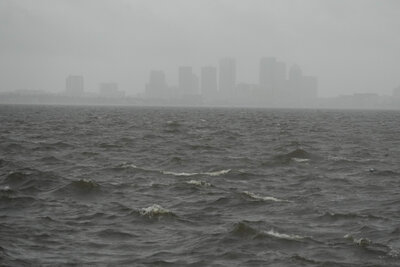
x=227, y=77
x=188, y=82
x=294, y=83
x=110, y=90
x=272, y=78
x=267, y=74
x=74, y=85
x=209, y=85
x=303, y=90
x=157, y=85
x=396, y=92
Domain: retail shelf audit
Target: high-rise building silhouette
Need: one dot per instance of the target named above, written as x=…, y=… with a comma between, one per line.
x=272, y=77
x=157, y=85
x=209, y=86
x=396, y=92
x=74, y=85
x=227, y=77
x=188, y=82
x=303, y=89
x=266, y=74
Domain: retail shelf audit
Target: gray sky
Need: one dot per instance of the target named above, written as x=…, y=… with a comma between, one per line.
x=352, y=46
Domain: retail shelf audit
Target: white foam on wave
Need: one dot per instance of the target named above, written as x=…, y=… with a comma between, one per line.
x=180, y=173
x=215, y=173
x=198, y=183
x=394, y=252
x=5, y=188
x=300, y=160
x=336, y=158
x=362, y=241
x=283, y=236
x=255, y=196
x=154, y=210
x=129, y=165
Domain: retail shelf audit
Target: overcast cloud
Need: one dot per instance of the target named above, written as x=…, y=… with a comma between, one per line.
x=352, y=46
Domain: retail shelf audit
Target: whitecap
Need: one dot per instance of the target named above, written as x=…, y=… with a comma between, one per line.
x=198, y=183
x=255, y=196
x=215, y=173
x=362, y=241
x=180, y=173
x=394, y=252
x=5, y=188
x=336, y=158
x=300, y=160
x=128, y=165
x=283, y=236
x=154, y=210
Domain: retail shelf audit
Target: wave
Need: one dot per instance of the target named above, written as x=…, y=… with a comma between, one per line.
x=338, y=159
x=180, y=173
x=300, y=160
x=155, y=210
x=30, y=180
x=258, y=197
x=198, y=183
x=283, y=236
x=244, y=230
x=5, y=188
x=298, y=155
x=348, y=216
x=84, y=184
x=214, y=173
x=362, y=242
x=373, y=247
x=114, y=234
x=80, y=187
x=127, y=165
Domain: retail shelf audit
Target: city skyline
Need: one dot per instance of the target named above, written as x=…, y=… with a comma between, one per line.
x=352, y=46
x=275, y=85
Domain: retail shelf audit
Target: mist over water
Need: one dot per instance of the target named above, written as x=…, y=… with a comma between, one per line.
x=350, y=46
x=198, y=187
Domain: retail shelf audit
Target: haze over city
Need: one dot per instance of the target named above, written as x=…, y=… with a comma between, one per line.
x=351, y=46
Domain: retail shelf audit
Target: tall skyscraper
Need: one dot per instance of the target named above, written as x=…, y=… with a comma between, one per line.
x=227, y=77
x=209, y=84
x=188, y=82
x=272, y=77
x=74, y=85
x=295, y=73
x=267, y=74
x=157, y=85
x=303, y=89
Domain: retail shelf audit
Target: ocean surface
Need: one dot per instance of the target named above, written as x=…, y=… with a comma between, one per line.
x=198, y=187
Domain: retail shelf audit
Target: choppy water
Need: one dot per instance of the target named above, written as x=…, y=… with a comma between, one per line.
x=198, y=187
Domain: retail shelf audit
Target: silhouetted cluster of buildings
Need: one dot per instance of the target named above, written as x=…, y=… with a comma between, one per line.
x=276, y=86
x=74, y=87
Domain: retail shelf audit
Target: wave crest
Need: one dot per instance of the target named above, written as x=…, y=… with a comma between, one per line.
x=198, y=183
x=283, y=236
x=214, y=173
x=127, y=165
x=155, y=210
x=258, y=197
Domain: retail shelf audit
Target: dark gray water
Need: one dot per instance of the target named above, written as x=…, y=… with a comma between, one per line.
x=198, y=187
